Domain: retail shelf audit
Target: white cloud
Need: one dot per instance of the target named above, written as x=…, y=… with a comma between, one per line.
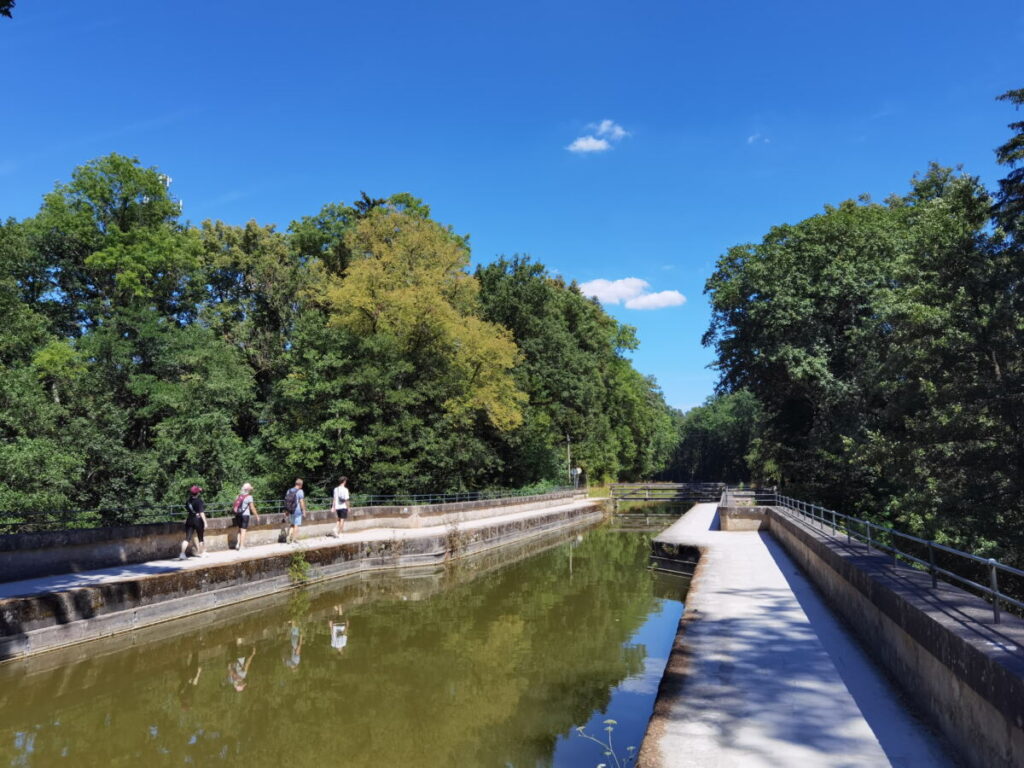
x=614, y=291
x=632, y=293
x=609, y=129
x=600, y=139
x=757, y=138
x=586, y=144
x=658, y=300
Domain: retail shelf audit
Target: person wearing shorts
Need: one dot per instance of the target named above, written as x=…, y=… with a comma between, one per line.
x=339, y=504
x=300, y=509
x=195, y=524
x=246, y=508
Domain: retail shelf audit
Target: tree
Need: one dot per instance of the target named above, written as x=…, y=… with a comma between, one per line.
x=1009, y=206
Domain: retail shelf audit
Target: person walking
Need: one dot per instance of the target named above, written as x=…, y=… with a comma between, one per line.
x=295, y=504
x=244, y=508
x=195, y=524
x=339, y=504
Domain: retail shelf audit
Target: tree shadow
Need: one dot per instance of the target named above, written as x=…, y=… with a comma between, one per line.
x=771, y=682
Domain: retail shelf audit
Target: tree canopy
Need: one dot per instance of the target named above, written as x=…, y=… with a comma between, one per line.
x=884, y=344
x=143, y=354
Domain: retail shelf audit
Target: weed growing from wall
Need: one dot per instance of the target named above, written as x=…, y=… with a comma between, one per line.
x=299, y=568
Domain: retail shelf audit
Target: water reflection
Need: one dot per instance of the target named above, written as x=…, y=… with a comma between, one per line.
x=481, y=664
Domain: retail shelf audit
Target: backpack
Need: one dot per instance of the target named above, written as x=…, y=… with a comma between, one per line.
x=291, y=500
x=236, y=508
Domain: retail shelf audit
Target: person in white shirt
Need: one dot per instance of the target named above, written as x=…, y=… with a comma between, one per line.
x=339, y=504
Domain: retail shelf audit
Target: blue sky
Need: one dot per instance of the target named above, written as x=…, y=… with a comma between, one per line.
x=737, y=116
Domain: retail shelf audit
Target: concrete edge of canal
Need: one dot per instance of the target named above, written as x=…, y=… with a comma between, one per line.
x=963, y=673
x=148, y=594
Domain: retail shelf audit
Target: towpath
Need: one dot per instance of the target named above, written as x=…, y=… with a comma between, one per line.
x=68, y=581
x=767, y=675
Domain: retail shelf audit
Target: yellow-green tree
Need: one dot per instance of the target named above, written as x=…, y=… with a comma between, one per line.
x=408, y=281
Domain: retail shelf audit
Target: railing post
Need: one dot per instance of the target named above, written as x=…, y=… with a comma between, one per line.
x=993, y=576
x=869, y=535
x=833, y=523
x=931, y=566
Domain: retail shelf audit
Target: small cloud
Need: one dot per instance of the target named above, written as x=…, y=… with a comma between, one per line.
x=668, y=267
x=585, y=144
x=614, y=291
x=609, y=129
x=658, y=300
x=757, y=138
x=632, y=293
x=602, y=135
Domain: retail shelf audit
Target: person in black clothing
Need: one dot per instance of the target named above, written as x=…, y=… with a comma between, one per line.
x=196, y=521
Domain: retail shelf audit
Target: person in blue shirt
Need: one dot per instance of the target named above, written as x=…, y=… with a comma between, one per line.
x=298, y=511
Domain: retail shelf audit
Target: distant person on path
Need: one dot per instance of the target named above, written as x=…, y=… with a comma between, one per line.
x=295, y=505
x=244, y=507
x=339, y=504
x=195, y=523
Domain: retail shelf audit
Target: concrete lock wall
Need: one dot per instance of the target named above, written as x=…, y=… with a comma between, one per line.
x=37, y=623
x=965, y=672
x=28, y=555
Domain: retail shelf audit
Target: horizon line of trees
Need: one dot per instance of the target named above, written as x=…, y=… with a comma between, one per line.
x=871, y=359
x=142, y=354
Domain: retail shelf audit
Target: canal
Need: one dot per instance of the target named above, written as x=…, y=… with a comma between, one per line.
x=498, y=660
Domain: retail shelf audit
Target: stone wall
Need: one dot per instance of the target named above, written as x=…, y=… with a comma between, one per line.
x=941, y=644
x=28, y=555
x=32, y=624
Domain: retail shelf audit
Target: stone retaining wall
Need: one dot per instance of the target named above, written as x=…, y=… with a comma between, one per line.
x=38, y=623
x=964, y=671
x=28, y=555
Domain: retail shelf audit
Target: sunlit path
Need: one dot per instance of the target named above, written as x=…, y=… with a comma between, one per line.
x=771, y=676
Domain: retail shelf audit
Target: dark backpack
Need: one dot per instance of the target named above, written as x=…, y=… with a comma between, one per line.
x=291, y=500
x=237, y=506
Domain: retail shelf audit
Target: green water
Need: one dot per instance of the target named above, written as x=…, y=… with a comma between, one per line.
x=494, y=662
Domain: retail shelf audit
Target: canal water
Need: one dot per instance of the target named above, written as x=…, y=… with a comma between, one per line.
x=500, y=660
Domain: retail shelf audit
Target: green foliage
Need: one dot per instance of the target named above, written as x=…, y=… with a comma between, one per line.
x=717, y=441
x=883, y=345
x=579, y=383
x=142, y=355
x=299, y=568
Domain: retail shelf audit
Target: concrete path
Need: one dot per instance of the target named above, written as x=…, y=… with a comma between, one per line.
x=66, y=581
x=771, y=677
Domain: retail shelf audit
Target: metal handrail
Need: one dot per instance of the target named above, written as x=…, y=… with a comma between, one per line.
x=872, y=535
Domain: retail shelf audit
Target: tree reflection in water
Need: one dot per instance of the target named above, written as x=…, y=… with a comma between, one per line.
x=479, y=664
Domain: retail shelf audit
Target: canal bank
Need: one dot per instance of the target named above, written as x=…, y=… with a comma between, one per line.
x=493, y=659
x=763, y=674
x=45, y=613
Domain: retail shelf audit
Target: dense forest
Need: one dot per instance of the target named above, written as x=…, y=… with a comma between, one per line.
x=872, y=359
x=142, y=354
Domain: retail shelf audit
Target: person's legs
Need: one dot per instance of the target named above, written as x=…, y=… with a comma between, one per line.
x=200, y=531
x=189, y=530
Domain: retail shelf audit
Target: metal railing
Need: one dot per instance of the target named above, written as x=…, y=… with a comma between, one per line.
x=665, y=491
x=752, y=496
x=108, y=517
x=928, y=555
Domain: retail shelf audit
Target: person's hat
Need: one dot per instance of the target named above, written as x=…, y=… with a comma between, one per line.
x=195, y=489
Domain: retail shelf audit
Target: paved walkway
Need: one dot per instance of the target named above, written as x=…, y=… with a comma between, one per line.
x=771, y=676
x=67, y=581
